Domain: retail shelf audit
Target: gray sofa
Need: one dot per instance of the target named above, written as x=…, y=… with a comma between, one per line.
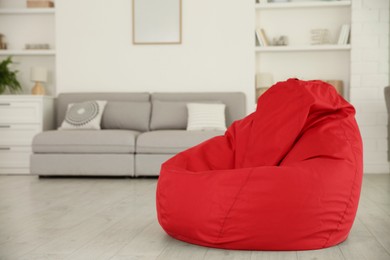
x=139, y=132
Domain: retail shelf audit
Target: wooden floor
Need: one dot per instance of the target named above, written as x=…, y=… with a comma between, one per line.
x=65, y=218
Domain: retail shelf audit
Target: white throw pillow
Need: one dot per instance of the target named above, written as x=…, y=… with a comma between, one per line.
x=84, y=115
x=203, y=116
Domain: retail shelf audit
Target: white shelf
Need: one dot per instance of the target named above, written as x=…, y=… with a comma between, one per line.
x=330, y=47
x=27, y=52
x=27, y=11
x=309, y=4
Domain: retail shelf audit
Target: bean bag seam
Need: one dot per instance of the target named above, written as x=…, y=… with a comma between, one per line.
x=350, y=196
x=231, y=207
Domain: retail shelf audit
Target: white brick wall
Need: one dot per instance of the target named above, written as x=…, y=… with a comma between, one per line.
x=369, y=75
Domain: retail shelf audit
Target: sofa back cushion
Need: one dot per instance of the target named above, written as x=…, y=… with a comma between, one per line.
x=67, y=98
x=169, y=110
x=168, y=115
x=126, y=115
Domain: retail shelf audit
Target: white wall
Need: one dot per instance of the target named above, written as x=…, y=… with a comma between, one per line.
x=95, y=50
x=369, y=75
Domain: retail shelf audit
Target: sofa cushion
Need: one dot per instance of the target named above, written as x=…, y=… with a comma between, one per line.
x=172, y=141
x=126, y=115
x=168, y=115
x=85, y=141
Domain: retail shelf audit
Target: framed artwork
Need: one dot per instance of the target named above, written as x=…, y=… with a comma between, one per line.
x=157, y=21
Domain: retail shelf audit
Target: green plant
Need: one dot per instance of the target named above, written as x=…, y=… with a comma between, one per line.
x=8, y=78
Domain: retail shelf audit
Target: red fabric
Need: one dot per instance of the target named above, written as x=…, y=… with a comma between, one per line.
x=286, y=177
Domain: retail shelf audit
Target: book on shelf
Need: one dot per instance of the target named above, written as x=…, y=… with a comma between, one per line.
x=261, y=37
x=258, y=37
x=344, y=34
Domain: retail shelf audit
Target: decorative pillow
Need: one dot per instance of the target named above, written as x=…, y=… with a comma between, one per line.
x=126, y=115
x=206, y=116
x=85, y=115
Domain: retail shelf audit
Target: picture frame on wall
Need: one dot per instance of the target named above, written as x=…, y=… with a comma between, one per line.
x=157, y=21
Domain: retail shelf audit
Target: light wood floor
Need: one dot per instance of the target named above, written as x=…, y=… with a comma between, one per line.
x=64, y=218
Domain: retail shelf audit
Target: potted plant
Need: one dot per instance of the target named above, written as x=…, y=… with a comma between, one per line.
x=8, y=78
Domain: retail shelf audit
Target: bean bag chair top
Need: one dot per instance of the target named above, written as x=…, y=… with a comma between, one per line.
x=286, y=177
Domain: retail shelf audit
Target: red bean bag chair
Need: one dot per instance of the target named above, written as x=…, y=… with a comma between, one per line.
x=286, y=177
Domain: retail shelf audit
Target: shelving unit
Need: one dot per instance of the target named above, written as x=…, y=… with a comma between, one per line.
x=322, y=47
x=28, y=52
x=20, y=26
x=308, y=4
x=300, y=59
x=11, y=11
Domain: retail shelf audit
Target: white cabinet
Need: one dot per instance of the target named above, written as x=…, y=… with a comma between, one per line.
x=301, y=59
x=20, y=26
x=21, y=118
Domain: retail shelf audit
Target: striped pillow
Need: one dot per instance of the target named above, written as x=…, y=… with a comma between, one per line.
x=206, y=116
